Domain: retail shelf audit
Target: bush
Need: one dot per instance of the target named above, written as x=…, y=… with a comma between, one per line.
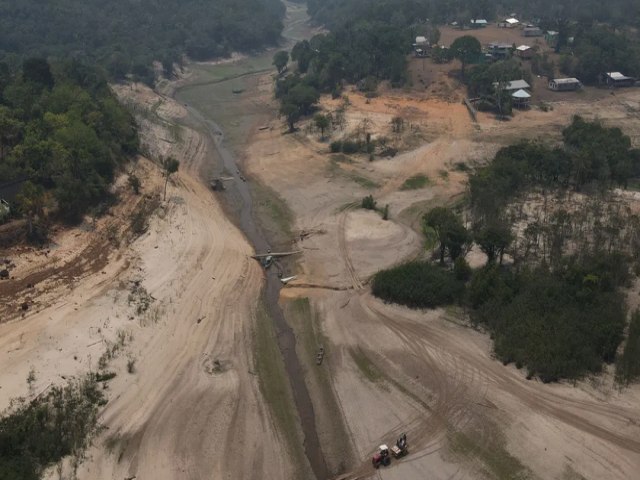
x=336, y=146
x=350, y=147
x=369, y=203
x=418, y=285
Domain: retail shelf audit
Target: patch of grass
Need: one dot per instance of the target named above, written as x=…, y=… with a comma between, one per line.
x=274, y=214
x=443, y=174
x=490, y=450
x=175, y=131
x=362, y=181
x=335, y=169
x=304, y=320
x=341, y=158
x=415, y=182
x=274, y=385
x=366, y=366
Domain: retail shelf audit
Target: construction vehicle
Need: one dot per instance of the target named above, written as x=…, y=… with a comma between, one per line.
x=383, y=455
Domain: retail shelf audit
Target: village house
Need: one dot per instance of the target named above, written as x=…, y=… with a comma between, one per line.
x=565, y=84
x=551, y=37
x=509, y=23
x=616, y=79
x=521, y=98
x=478, y=23
x=524, y=51
x=514, y=85
x=499, y=51
x=421, y=47
x=531, y=31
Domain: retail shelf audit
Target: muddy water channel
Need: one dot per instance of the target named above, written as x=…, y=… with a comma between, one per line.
x=226, y=118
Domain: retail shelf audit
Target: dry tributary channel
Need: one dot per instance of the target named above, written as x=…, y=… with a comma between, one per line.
x=212, y=104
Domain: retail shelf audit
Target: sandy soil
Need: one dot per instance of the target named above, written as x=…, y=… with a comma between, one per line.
x=192, y=407
x=427, y=373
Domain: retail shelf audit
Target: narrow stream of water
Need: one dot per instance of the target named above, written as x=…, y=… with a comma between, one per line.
x=238, y=196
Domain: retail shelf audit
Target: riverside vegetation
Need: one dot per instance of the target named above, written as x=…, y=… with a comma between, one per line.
x=64, y=132
x=557, y=306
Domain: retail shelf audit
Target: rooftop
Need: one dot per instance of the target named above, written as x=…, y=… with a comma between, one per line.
x=561, y=81
x=514, y=85
x=499, y=45
x=521, y=94
x=512, y=20
x=617, y=76
x=522, y=48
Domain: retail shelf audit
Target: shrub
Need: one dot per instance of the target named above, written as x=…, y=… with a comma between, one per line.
x=369, y=203
x=417, y=285
x=105, y=376
x=131, y=365
x=349, y=146
x=336, y=146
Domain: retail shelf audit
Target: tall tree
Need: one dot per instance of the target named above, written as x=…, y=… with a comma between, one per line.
x=322, y=122
x=467, y=49
x=449, y=230
x=494, y=238
x=31, y=203
x=170, y=166
x=280, y=60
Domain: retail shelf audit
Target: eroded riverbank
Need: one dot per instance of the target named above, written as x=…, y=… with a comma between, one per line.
x=213, y=107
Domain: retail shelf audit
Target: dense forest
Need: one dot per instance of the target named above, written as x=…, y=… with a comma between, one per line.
x=334, y=13
x=126, y=36
x=64, y=132
x=556, y=306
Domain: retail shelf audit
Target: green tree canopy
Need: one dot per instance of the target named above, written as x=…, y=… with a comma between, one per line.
x=280, y=60
x=449, y=230
x=467, y=49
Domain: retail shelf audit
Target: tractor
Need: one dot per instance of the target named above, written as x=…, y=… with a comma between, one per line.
x=381, y=457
